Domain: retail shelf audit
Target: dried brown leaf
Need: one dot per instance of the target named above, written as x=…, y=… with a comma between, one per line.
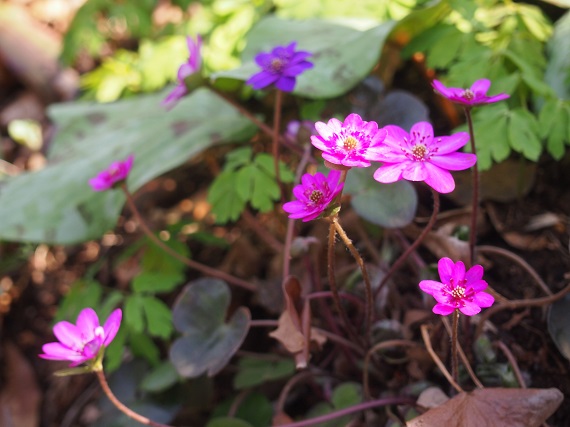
x=493, y=407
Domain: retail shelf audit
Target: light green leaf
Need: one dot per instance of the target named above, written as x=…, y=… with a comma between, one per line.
x=156, y=282
x=134, y=312
x=342, y=56
x=265, y=191
x=244, y=181
x=524, y=133
x=227, y=205
x=158, y=317
x=56, y=205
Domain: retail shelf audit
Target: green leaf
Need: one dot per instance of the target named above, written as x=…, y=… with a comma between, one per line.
x=244, y=181
x=207, y=341
x=557, y=73
x=160, y=378
x=114, y=352
x=238, y=157
x=342, y=56
x=142, y=346
x=346, y=394
x=559, y=325
x=158, y=317
x=226, y=203
x=156, y=282
x=266, y=163
x=109, y=303
x=82, y=294
x=388, y=205
x=156, y=260
x=553, y=120
x=252, y=371
x=524, y=133
x=265, y=191
x=56, y=205
x=134, y=312
x=255, y=409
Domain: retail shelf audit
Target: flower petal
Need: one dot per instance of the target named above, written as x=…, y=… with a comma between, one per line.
x=422, y=132
x=496, y=98
x=285, y=83
x=445, y=268
x=454, y=161
x=87, y=322
x=262, y=79
x=483, y=299
x=388, y=173
x=480, y=87
x=469, y=308
x=439, y=179
x=112, y=325
x=415, y=171
x=458, y=272
x=431, y=287
x=443, y=309
x=451, y=143
x=68, y=334
x=478, y=285
x=57, y=351
x=474, y=274
x=442, y=89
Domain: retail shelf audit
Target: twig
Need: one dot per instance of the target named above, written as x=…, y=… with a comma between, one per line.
x=512, y=361
x=437, y=360
x=293, y=381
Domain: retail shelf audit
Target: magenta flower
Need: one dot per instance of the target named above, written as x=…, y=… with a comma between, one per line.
x=192, y=66
x=476, y=95
x=459, y=290
x=348, y=143
x=419, y=156
x=314, y=195
x=84, y=341
x=115, y=173
x=280, y=67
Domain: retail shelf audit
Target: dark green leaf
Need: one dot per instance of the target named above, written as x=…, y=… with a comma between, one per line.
x=559, y=325
x=557, y=72
x=134, y=312
x=228, y=422
x=158, y=317
x=156, y=282
x=208, y=342
x=524, y=133
x=142, y=346
x=252, y=371
x=160, y=378
x=82, y=294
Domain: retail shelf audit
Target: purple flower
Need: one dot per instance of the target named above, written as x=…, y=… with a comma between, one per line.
x=459, y=290
x=348, y=143
x=314, y=195
x=476, y=95
x=297, y=129
x=193, y=65
x=419, y=156
x=84, y=341
x=280, y=67
x=116, y=172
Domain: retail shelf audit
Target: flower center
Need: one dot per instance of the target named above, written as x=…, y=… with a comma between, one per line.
x=316, y=196
x=419, y=152
x=276, y=65
x=350, y=143
x=458, y=293
x=468, y=94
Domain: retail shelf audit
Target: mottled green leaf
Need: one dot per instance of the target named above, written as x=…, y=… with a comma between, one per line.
x=388, y=205
x=342, y=56
x=208, y=342
x=56, y=204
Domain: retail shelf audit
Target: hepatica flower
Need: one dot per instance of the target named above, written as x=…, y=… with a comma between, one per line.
x=475, y=95
x=84, y=341
x=115, y=173
x=347, y=143
x=191, y=66
x=314, y=195
x=419, y=156
x=458, y=289
x=280, y=67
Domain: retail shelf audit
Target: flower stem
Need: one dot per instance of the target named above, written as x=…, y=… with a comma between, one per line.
x=475, y=192
x=332, y=284
x=351, y=410
x=454, y=358
x=368, y=286
x=414, y=245
x=275, y=148
x=129, y=412
x=189, y=262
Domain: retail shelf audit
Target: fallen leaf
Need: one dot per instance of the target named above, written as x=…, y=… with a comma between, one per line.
x=493, y=407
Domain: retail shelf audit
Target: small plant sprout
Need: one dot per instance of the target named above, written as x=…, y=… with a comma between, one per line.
x=280, y=67
x=115, y=174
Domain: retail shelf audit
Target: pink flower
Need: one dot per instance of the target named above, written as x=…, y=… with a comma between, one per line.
x=314, y=195
x=476, y=95
x=117, y=172
x=84, y=341
x=347, y=143
x=419, y=156
x=192, y=66
x=459, y=290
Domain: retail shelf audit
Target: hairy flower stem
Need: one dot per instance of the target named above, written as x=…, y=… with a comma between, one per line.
x=454, y=358
x=475, y=192
x=332, y=284
x=275, y=148
x=368, y=286
x=414, y=245
x=130, y=413
x=189, y=262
